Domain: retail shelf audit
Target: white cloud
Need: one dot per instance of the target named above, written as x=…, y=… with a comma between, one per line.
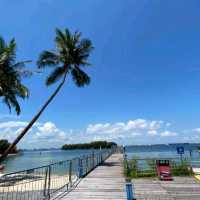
x=168, y=133
x=45, y=135
x=131, y=125
x=47, y=127
x=152, y=132
x=196, y=130
x=12, y=124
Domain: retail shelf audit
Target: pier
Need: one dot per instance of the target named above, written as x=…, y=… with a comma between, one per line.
x=104, y=182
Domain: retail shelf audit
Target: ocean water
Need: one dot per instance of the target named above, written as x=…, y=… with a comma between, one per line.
x=191, y=153
x=32, y=159
x=162, y=151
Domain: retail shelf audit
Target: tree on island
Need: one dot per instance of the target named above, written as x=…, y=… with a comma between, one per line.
x=91, y=145
x=70, y=55
x=11, y=73
x=4, y=144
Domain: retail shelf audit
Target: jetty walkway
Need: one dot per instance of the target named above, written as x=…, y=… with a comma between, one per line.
x=105, y=182
x=181, y=188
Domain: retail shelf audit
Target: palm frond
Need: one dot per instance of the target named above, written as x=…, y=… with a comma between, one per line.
x=47, y=58
x=86, y=45
x=61, y=39
x=2, y=44
x=11, y=101
x=20, y=67
x=67, y=33
x=83, y=52
x=11, y=73
x=4, y=58
x=12, y=45
x=55, y=75
x=23, y=91
x=15, y=104
x=77, y=36
x=7, y=102
x=12, y=50
x=60, y=35
x=80, y=77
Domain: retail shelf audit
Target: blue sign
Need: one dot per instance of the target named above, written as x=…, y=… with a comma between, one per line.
x=180, y=150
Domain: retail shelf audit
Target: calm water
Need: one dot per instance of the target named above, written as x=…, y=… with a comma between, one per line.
x=191, y=154
x=31, y=159
x=165, y=151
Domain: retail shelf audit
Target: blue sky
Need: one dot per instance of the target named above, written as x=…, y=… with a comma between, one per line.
x=146, y=69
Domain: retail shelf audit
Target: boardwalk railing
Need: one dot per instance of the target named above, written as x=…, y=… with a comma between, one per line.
x=44, y=182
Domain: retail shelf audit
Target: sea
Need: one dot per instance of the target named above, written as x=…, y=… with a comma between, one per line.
x=35, y=158
x=163, y=151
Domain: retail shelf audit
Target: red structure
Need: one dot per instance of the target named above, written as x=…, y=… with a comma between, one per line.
x=164, y=170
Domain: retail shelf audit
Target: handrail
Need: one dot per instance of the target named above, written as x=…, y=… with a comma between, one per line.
x=45, y=181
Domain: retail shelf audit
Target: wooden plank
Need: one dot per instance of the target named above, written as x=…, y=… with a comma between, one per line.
x=184, y=188
x=104, y=182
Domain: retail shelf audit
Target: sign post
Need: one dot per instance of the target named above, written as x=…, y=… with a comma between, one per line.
x=180, y=151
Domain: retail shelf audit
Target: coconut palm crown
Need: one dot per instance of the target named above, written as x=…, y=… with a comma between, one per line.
x=70, y=55
x=11, y=73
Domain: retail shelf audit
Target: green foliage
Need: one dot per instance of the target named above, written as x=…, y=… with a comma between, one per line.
x=92, y=145
x=4, y=144
x=11, y=73
x=182, y=169
x=70, y=55
x=146, y=173
x=131, y=170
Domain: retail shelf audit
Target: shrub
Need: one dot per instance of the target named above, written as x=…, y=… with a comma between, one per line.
x=182, y=169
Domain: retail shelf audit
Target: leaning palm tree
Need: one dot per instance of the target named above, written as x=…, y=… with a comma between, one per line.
x=70, y=55
x=11, y=73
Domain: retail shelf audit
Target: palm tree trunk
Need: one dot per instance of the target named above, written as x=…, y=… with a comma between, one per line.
x=21, y=135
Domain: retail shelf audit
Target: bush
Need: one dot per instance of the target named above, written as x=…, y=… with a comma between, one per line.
x=182, y=169
x=131, y=171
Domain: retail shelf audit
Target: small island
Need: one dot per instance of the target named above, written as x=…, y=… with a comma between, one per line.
x=4, y=144
x=91, y=145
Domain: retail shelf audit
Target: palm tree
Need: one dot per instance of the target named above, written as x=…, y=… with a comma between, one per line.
x=11, y=73
x=70, y=55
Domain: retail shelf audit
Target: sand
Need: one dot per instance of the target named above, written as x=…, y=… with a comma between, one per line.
x=35, y=184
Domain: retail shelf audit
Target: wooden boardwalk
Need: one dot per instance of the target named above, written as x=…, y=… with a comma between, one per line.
x=181, y=188
x=106, y=182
